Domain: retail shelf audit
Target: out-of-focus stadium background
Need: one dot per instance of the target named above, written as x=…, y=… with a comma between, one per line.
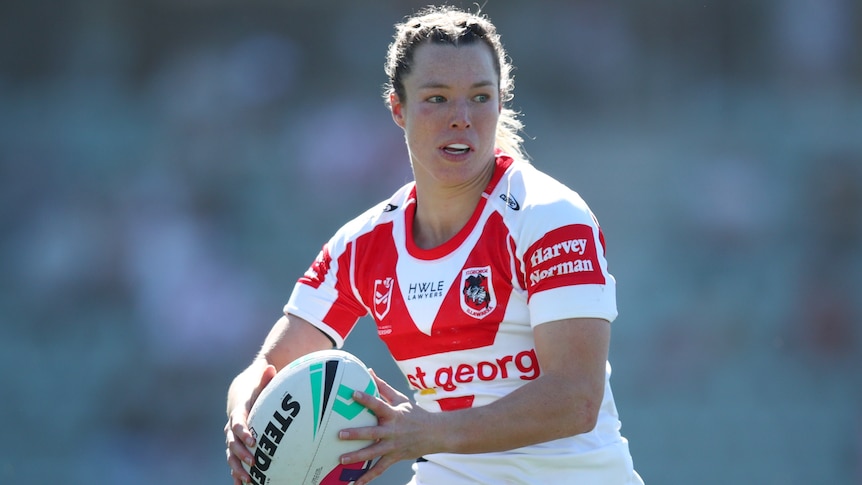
x=169, y=168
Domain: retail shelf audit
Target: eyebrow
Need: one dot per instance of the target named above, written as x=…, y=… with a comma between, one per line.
x=437, y=85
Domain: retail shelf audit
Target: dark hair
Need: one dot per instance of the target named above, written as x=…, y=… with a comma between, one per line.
x=452, y=26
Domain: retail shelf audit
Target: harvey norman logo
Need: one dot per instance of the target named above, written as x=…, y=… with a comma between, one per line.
x=573, y=256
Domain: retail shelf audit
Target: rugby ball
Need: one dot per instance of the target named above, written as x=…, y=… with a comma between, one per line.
x=297, y=417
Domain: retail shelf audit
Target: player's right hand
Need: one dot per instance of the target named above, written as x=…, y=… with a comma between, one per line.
x=238, y=439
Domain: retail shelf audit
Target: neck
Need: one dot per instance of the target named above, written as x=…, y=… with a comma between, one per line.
x=441, y=212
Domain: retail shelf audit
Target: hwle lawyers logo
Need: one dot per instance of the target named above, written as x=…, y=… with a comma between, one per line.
x=425, y=290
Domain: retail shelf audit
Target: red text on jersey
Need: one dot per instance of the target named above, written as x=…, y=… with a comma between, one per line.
x=316, y=274
x=524, y=365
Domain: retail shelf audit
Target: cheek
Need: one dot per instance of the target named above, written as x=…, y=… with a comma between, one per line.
x=489, y=121
x=493, y=118
x=427, y=114
x=421, y=122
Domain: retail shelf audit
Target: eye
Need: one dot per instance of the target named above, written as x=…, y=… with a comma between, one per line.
x=436, y=99
x=482, y=98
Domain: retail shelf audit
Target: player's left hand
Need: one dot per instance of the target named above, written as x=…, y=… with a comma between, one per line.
x=400, y=434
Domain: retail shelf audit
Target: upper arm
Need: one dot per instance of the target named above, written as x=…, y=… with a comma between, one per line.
x=575, y=350
x=290, y=338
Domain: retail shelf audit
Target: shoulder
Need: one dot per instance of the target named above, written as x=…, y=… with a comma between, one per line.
x=379, y=214
x=531, y=193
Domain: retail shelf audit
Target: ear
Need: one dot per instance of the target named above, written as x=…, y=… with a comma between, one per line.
x=397, y=109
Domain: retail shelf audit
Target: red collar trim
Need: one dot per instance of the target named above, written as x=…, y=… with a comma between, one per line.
x=503, y=162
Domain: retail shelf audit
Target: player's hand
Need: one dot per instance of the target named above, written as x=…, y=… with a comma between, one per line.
x=238, y=438
x=398, y=435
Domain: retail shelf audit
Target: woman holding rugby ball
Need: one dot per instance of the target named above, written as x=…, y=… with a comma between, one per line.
x=487, y=281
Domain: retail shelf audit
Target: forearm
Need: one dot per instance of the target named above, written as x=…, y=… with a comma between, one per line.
x=243, y=385
x=564, y=401
x=290, y=338
x=546, y=409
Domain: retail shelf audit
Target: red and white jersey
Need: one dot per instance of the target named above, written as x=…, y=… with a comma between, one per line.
x=458, y=319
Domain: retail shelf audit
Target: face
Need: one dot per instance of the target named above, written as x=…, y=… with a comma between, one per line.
x=450, y=114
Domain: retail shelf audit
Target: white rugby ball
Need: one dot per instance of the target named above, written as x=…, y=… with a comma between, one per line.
x=297, y=417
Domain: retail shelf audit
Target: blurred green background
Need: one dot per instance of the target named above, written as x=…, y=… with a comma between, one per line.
x=169, y=168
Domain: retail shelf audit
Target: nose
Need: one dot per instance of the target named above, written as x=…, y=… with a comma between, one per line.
x=460, y=114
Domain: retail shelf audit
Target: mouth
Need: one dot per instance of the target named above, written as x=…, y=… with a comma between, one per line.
x=456, y=149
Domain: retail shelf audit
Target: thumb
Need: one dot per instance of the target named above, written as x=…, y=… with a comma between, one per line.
x=268, y=373
x=265, y=378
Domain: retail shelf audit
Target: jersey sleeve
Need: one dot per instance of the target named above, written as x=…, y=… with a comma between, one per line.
x=324, y=295
x=565, y=271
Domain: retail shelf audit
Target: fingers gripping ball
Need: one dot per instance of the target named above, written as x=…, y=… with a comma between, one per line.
x=297, y=417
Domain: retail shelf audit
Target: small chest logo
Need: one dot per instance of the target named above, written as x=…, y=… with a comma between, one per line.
x=477, y=292
x=511, y=202
x=382, y=297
